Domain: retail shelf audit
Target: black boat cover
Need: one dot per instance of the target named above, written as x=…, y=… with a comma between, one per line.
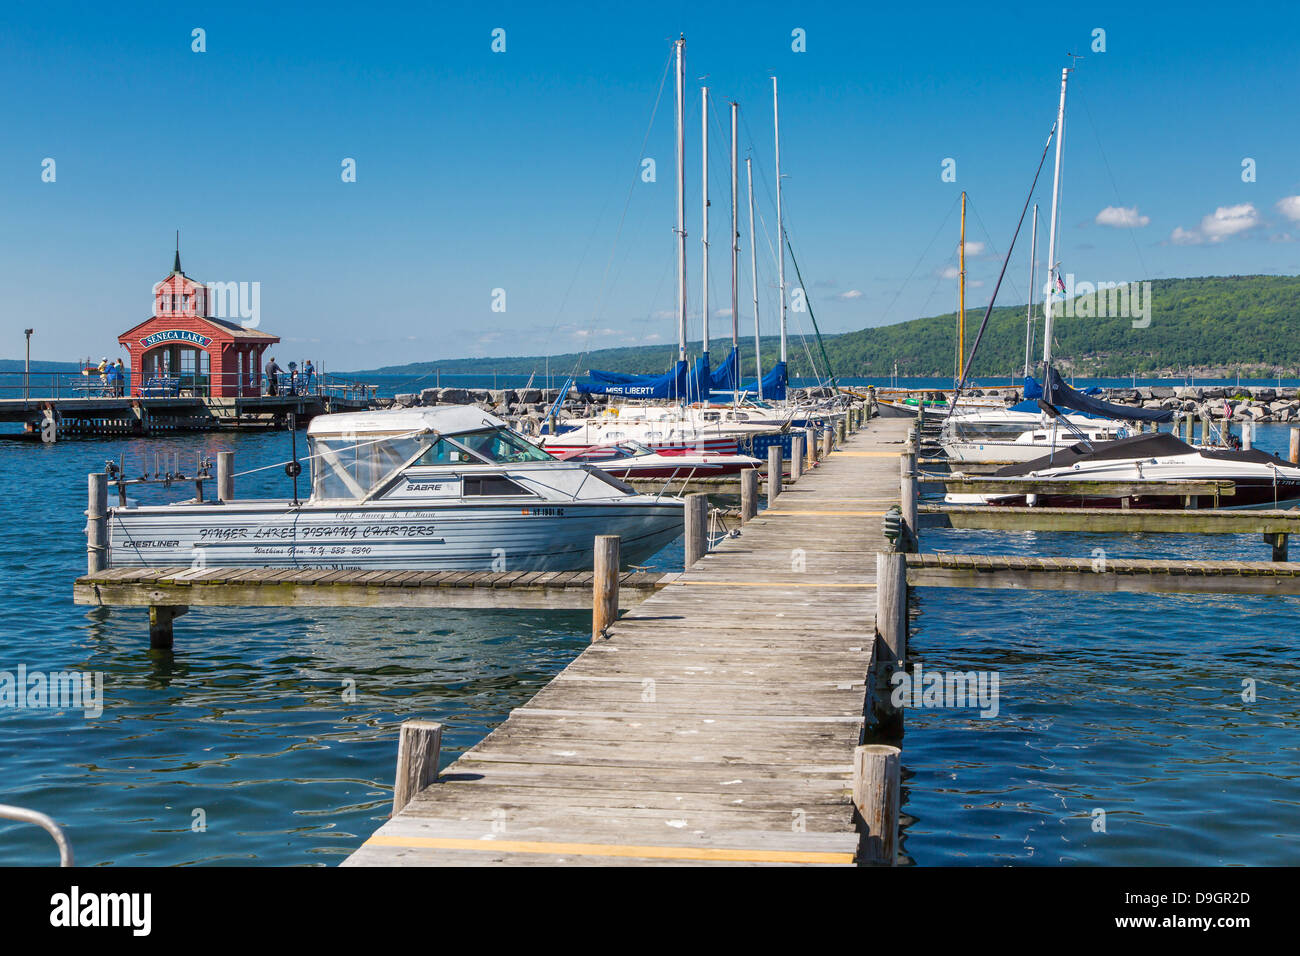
x=1138, y=447
x=1058, y=393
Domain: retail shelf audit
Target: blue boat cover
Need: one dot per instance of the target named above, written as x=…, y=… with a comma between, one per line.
x=774, y=384
x=726, y=377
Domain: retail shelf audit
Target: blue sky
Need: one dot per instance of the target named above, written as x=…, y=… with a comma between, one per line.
x=479, y=171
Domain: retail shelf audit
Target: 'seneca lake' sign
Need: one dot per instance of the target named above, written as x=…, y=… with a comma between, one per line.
x=176, y=335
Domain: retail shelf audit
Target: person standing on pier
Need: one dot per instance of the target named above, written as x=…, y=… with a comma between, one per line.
x=119, y=379
x=272, y=377
x=308, y=372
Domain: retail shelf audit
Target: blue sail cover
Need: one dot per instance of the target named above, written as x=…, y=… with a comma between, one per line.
x=726, y=377
x=618, y=378
x=774, y=384
x=1058, y=393
x=673, y=385
x=1032, y=389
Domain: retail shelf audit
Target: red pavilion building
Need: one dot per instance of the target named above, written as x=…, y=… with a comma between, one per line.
x=182, y=349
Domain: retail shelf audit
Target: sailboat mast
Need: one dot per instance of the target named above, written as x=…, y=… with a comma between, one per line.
x=780, y=228
x=1033, y=278
x=1052, y=264
x=735, y=238
x=681, y=200
x=961, y=293
x=704, y=228
x=753, y=270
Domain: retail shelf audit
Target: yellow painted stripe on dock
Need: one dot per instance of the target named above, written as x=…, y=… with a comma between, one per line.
x=836, y=514
x=613, y=849
x=771, y=584
x=867, y=454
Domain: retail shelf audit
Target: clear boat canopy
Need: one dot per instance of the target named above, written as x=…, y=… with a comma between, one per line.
x=354, y=455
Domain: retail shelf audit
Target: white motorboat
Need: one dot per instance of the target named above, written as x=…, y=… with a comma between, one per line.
x=630, y=459
x=1008, y=435
x=1261, y=480
x=444, y=488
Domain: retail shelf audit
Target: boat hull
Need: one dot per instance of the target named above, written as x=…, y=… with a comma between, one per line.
x=457, y=537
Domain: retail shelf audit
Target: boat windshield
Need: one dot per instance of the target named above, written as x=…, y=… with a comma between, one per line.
x=349, y=466
x=499, y=445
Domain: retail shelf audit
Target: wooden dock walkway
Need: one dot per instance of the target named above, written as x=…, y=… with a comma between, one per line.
x=717, y=722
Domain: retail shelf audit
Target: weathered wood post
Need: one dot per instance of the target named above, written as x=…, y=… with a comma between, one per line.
x=748, y=494
x=810, y=443
x=604, y=585
x=225, y=476
x=97, y=523
x=418, y=748
x=796, y=457
x=1279, y=542
x=828, y=441
x=1205, y=424
x=774, y=456
x=907, y=496
x=697, y=527
x=841, y=431
x=160, y=624
x=1247, y=435
x=1294, y=455
x=891, y=631
x=877, y=788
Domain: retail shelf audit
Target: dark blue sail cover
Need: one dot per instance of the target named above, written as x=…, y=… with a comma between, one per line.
x=726, y=377
x=774, y=384
x=1056, y=392
x=618, y=378
x=672, y=385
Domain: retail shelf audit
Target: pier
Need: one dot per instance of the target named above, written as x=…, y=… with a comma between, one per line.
x=720, y=721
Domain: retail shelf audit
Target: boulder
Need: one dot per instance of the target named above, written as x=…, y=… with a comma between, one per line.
x=530, y=396
x=1162, y=391
x=429, y=396
x=405, y=399
x=454, y=396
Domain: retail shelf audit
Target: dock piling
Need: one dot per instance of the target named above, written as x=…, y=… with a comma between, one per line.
x=160, y=624
x=796, y=457
x=1279, y=543
x=891, y=629
x=774, y=457
x=907, y=498
x=604, y=585
x=828, y=441
x=97, y=523
x=1294, y=455
x=810, y=443
x=876, y=788
x=418, y=749
x=748, y=494
x=697, y=527
x=225, y=476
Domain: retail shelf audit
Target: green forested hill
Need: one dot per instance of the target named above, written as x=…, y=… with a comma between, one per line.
x=1228, y=322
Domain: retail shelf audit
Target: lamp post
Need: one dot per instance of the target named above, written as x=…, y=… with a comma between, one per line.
x=27, y=366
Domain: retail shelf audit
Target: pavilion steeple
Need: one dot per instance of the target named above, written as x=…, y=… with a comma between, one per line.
x=176, y=264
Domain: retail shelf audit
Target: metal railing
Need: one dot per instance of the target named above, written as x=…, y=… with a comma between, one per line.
x=23, y=815
x=38, y=387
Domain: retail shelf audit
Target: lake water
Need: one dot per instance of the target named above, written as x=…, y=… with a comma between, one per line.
x=269, y=736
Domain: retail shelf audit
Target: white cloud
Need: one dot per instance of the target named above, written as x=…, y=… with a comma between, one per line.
x=851, y=294
x=1122, y=217
x=1229, y=221
x=1290, y=207
x=1223, y=223
x=973, y=249
x=949, y=272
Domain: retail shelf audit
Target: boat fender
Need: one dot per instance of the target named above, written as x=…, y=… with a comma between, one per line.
x=1031, y=500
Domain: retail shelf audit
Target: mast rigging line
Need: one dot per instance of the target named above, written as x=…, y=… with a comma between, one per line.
x=994, y=297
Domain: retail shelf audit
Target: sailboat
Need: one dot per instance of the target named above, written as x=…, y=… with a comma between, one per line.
x=1027, y=431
